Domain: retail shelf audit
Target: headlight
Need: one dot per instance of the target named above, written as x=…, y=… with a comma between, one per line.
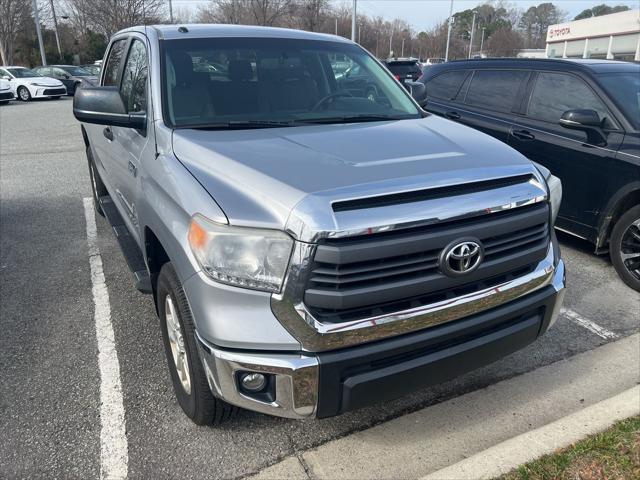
x=244, y=257
x=555, y=195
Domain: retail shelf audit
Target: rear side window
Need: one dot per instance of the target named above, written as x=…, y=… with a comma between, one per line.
x=446, y=85
x=113, y=63
x=495, y=89
x=134, y=79
x=555, y=93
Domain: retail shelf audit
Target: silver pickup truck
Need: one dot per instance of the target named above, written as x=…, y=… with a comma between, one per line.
x=313, y=240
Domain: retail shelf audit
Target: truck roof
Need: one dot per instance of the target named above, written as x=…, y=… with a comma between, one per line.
x=204, y=30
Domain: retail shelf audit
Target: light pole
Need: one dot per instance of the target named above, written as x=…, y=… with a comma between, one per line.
x=481, y=41
x=353, y=21
x=473, y=27
x=446, y=53
x=55, y=28
x=336, y=25
x=36, y=17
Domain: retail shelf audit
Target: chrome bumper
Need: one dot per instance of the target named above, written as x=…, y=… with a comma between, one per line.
x=297, y=374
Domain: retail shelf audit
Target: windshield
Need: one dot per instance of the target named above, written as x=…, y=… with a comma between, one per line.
x=76, y=71
x=262, y=82
x=625, y=90
x=22, y=72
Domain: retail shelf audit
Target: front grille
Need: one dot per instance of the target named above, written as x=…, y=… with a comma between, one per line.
x=382, y=273
x=54, y=91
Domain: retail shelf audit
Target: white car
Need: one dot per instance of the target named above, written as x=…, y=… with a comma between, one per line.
x=5, y=91
x=26, y=84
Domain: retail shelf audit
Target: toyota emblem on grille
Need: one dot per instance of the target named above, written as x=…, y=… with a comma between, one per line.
x=461, y=257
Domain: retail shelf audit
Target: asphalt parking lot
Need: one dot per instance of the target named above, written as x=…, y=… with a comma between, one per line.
x=49, y=394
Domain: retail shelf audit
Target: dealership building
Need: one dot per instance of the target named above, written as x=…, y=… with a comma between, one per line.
x=615, y=37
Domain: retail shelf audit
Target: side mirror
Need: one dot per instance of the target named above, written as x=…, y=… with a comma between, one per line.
x=418, y=91
x=587, y=121
x=104, y=106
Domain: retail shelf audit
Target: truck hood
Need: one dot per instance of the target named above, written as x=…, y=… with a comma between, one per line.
x=260, y=176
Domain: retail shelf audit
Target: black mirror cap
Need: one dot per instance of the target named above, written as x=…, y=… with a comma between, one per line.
x=104, y=106
x=418, y=91
x=580, y=118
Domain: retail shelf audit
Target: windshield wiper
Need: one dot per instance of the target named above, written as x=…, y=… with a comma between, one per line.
x=352, y=119
x=240, y=124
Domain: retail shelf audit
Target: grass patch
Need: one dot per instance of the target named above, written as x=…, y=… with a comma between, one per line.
x=613, y=454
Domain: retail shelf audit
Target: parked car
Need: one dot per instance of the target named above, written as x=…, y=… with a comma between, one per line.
x=358, y=82
x=27, y=85
x=5, y=91
x=578, y=118
x=93, y=69
x=310, y=252
x=434, y=61
x=71, y=76
x=404, y=69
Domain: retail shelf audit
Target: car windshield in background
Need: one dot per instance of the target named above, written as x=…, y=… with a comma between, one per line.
x=625, y=89
x=267, y=82
x=22, y=72
x=77, y=71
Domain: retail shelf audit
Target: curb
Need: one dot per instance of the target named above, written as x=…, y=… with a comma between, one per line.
x=508, y=455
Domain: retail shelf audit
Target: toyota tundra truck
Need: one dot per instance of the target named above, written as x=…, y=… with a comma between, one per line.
x=312, y=247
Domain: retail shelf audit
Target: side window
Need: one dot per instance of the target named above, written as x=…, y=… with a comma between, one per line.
x=4, y=74
x=446, y=85
x=59, y=73
x=495, y=89
x=44, y=71
x=555, y=93
x=113, y=63
x=134, y=79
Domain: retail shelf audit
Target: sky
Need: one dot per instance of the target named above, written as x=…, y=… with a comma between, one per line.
x=424, y=14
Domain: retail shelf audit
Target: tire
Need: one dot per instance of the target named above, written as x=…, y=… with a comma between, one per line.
x=24, y=94
x=97, y=187
x=196, y=400
x=625, y=240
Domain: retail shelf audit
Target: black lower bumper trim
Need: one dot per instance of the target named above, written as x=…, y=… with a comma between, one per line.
x=6, y=96
x=356, y=377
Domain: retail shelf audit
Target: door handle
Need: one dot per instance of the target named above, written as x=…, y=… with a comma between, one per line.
x=108, y=133
x=523, y=134
x=452, y=115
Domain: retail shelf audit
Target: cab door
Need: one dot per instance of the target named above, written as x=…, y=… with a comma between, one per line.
x=127, y=144
x=584, y=168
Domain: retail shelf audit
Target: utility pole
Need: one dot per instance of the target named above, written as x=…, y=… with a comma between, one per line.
x=391, y=41
x=402, y=49
x=336, y=25
x=446, y=53
x=473, y=28
x=482, y=42
x=353, y=21
x=36, y=17
x=359, y=32
x=55, y=29
x=170, y=12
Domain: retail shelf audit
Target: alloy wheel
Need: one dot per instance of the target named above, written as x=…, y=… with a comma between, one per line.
x=176, y=342
x=630, y=249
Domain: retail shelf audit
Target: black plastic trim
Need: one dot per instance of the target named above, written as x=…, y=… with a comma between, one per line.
x=359, y=376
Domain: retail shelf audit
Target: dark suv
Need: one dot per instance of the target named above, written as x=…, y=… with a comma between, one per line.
x=404, y=69
x=578, y=118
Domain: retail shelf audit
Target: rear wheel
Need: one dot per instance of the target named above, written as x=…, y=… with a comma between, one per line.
x=97, y=187
x=187, y=372
x=624, y=247
x=24, y=94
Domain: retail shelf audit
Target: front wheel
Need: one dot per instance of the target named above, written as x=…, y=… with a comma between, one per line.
x=24, y=94
x=187, y=372
x=624, y=247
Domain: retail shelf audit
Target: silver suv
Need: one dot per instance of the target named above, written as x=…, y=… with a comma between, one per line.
x=312, y=247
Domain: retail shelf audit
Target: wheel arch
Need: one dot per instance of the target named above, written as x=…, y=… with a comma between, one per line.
x=625, y=198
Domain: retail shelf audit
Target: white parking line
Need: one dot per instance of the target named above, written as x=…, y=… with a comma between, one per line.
x=588, y=324
x=113, y=438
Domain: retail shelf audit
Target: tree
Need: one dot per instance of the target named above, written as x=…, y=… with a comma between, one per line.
x=599, y=10
x=12, y=15
x=504, y=42
x=311, y=13
x=224, y=11
x=535, y=22
x=269, y=12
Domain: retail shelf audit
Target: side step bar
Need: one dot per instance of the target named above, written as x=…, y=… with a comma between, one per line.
x=128, y=245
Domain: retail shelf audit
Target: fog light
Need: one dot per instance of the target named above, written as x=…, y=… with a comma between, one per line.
x=253, y=382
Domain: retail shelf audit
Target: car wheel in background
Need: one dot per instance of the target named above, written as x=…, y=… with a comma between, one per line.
x=24, y=94
x=97, y=187
x=187, y=372
x=624, y=247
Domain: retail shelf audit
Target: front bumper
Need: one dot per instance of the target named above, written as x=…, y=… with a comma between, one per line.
x=41, y=92
x=6, y=95
x=329, y=383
